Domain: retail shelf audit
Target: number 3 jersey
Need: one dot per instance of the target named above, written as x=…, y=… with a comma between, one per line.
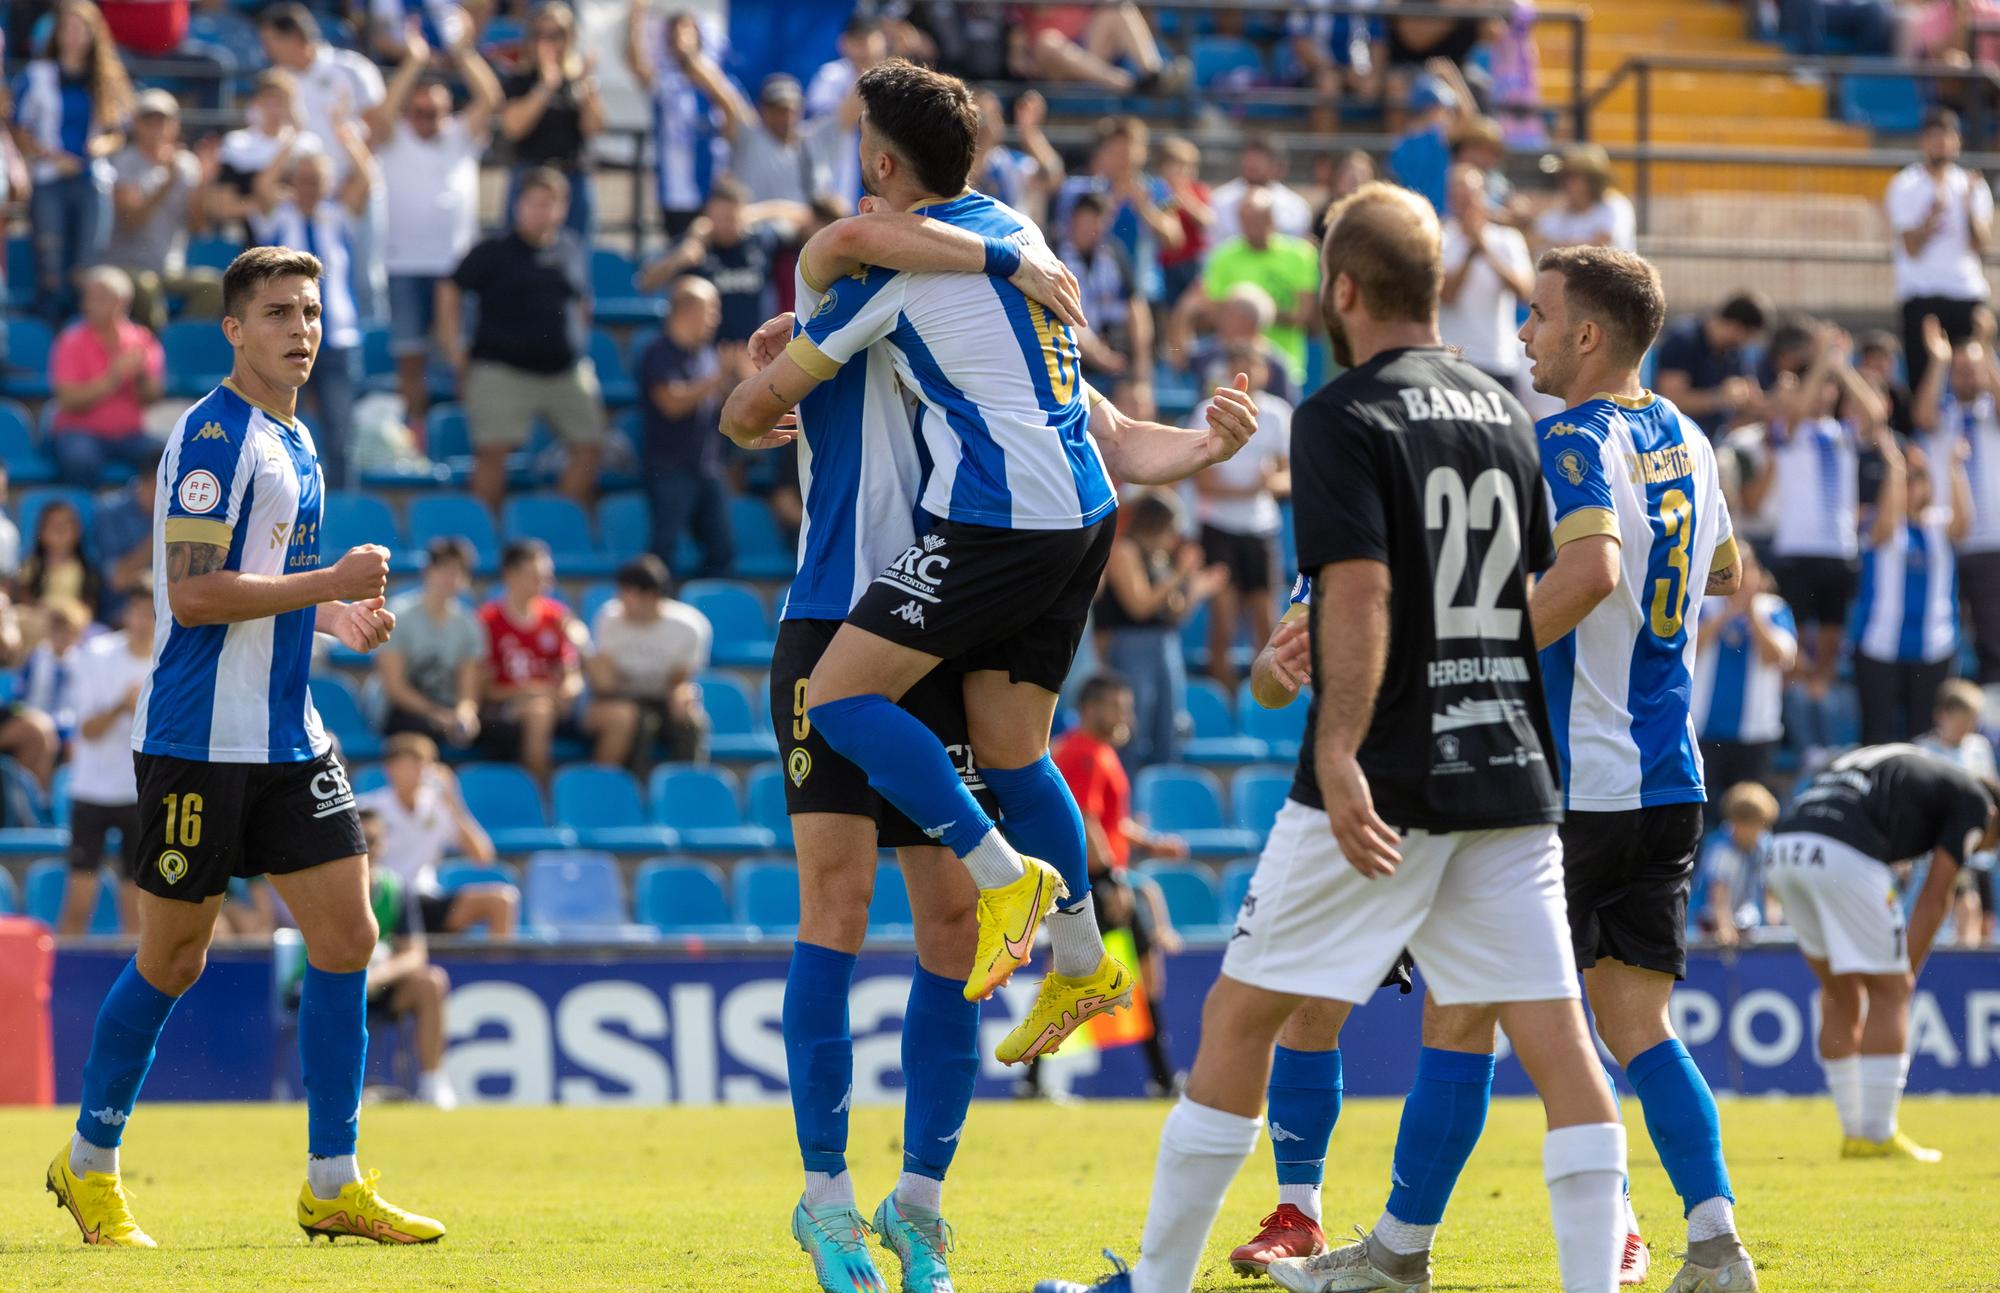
x=1621, y=684
x=1419, y=461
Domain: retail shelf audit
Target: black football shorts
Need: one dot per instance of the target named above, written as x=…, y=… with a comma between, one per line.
x=202, y=823
x=1626, y=876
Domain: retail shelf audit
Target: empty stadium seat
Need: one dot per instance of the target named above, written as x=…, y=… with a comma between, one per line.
x=340, y=711
x=1278, y=729
x=682, y=896
x=35, y=832
x=604, y=808
x=701, y=805
x=446, y=435
x=365, y=778
x=737, y=732
x=1215, y=737
x=1891, y=104
x=624, y=526
x=198, y=357
x=562, y=524
x=26, y=366
x=504, y=800
x=59, y=796
x=21, y=276
x=1236, y=885
x=594, y=599
x=614, y=288
x=10, y=898
x=614, y=375
x=1256, y=795
x=26, y=463
x=742, y=630
x=767, y=896
x=48, y=878
x=889, y=911
x=1188, y=802
x=1190, y=894
x=453, y=876
x=1230, y=61
x=451, y=513
x=212, y=253
x=761, y=552
x=764, y=800
x=575, y=895
x=352, y=519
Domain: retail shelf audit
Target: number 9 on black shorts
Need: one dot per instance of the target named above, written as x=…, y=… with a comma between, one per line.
x=203, y=823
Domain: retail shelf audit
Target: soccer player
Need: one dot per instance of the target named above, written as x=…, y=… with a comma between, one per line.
x=236, y=775
x=1423, y=813
x=1830, y=865
x=1019, y=520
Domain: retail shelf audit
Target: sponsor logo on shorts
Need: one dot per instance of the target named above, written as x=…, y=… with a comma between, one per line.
x=799, y=765
x=173, y=864
x=331, y=793
x=200, y=491
x=918, y=572
x=911, y=613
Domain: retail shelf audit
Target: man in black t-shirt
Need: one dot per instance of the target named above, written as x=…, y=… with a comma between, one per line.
x=734, y=244
x=1830, y=862
x=683, y=378
x=1703, y=363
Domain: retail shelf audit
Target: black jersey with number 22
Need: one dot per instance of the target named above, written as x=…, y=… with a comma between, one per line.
x=1418, y=460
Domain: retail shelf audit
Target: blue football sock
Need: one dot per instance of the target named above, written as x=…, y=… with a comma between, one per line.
x=1043, y=821
x=819, y=1053
x=1618, y=1107
x=121, y=1050
x=1442, y=1119
x=906, y=766
x=1680, y=1115
x=940, y=1066
x=1303, y=1104
x=333, y=1055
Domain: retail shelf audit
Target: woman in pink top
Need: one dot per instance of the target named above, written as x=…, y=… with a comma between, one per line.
x=105, y=369
x=1942, y=29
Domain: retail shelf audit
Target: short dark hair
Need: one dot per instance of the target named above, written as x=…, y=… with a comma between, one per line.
x=544, y=177
x=1875, y=341
x=1940, y=119
x=291, y=20
x=449, y=548
x=927, y=117
x=520, y=552
x=259, y=265
x=1090, y=202
x=1259, y=141
x=1153, y=510
x=727, y=188
x=646, y=573
x=1750, y=310
x=414, y=744
x=1101, y=686
x=861, y=24
x=1793, y=335
x=1618, y=289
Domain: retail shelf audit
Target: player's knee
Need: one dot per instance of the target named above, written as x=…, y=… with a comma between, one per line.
x=176, y=969
x=1459, y=1028
x=436, y=982
x=343, y=951
x=947, y=940
x=1888, y=990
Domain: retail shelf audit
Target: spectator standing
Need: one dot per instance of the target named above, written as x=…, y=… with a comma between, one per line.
x=104, y=370
x=159, y=196
x=650, y=649
x=430, y=670
x=1941, y=216
x=1746, y=644
x=1422, y=155
x=530, y=354
x=1151, y=583
x=271, y=126
x=423, y=820
x=57, y=572
x=1287, y=268
x=734, y=244
x=1180, y=169
x=1141, y=203
x=1728, y=893
x=1907, y=613
x=1488, y=273
x=1260, y=168
x=1957, y=415
x=863, y=44
x=122, y=524
x=1021, y=177
x=1878, y=357
x=1236, y=503
x=298, y=203
x=693, y=102
x=1117, y=347
x=684, y=377
x=1702, y=362
x=70, y=108
x=428, y=158
x=1589, y=209
x=103, y=792
x=1941, y=31
x=777, y=155
x=553, y=112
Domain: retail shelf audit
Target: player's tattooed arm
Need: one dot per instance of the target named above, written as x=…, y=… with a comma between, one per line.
x=187, y=560
x=1725, y=581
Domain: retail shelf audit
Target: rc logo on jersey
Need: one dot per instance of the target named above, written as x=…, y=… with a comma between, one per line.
x=200, y=491
x=331, y=792
x=911, y=613
x=799, y=765
x=1572, y=466
x=212, y=431
x=173, y=864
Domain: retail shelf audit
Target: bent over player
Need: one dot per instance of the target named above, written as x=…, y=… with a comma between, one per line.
x=236, y=774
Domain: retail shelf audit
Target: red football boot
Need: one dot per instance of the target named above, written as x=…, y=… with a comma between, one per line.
x=1638, y=1260
x=1286, y=1233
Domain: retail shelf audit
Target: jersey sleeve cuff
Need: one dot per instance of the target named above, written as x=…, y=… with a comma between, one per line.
x=1725, y=555
x=1092, y=397
x=1584, y=522
x=809, y=278
x=811, y=358
x=1295, y=612
x=198, y=529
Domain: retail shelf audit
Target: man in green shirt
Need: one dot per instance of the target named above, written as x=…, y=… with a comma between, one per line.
x=1284, y=266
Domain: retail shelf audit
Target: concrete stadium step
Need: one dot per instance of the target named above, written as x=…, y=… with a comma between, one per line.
x=1611, y=127
x=1665, y=22
x=1703, y=94
x=1695, y=178
x=1605, y=54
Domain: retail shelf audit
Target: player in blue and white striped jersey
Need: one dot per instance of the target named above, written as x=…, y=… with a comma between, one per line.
x=235, y=772
x=1001, y=584
x=1748, y=642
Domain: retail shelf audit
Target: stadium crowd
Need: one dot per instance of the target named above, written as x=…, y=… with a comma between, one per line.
x=1863, y=470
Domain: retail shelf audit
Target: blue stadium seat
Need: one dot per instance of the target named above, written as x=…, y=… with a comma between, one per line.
x=198, y=357
x=26, y=463
x=340, y=710
x=614, y=375
x=453, y=876
x=764, y=797
x=575, y=895
x=767, y=896
x=743, y=634
x=595, y=598
x=212, y=253
x=10, y=897
x=761, y=552
x=1256, y=795
x=614, y=288
x=1278, y=729
x=21, y=275
x=351, y=519
x=48, y=878
x=1188, y=802
x=889, y=911
x=625, y=526
x=59, y=797
x=602, y=805
x=1215, y=737
x=682, y=896
x=1235, y=885
x=446, y=435
x=503, y=799
x=25, y=371
x=36, y=834
x=737, y=733
x=561, y=523
x=378, y=363
x=453, y=513
x=1190, y=893
x=701, y=804
x=365, y=778
x=1891, y=104
x=1226, y=60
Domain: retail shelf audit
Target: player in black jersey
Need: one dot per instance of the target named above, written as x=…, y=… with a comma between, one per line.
x=1424, y=809
x=1830, y=864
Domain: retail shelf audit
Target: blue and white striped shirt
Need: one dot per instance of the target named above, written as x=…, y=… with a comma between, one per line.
x=1739, y=697
x=326, y=235
x=56, y=112
x=1907, y=606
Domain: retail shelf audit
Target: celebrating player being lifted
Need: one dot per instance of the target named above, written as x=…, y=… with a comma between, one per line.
x=236, y=775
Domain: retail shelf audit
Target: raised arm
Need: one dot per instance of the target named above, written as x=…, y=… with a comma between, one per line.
x=1152, y=453
x=1350, y=648
x=1030, y=111
x=416, y=55
x=1891, y=505
x=1960, y=524
x=484, y=86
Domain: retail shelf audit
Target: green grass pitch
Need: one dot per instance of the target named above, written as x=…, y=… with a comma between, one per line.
x=698, y=1199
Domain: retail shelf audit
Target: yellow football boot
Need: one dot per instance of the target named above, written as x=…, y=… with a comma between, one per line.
x=1898, y=1145
x=361, y=1212
x=1062, y=1006
x=101, y=1207
x=1008, y=919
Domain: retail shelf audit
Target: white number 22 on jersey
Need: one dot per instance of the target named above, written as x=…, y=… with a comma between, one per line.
x=1493, y=507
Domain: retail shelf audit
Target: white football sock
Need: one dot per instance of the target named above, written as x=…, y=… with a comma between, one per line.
x=1843, y=1081
x=914, y=1190
x=86, y=1157
x=1303, y=1197
x=823, y=1188
x=993, y=862
x=1076, y=946
x=1405, y=1237
x=1584, y=1167
x=326, y=1176
x=1201, y=1150
x=1711, y=1219
x=435, y=1089
x=1880, y=1078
